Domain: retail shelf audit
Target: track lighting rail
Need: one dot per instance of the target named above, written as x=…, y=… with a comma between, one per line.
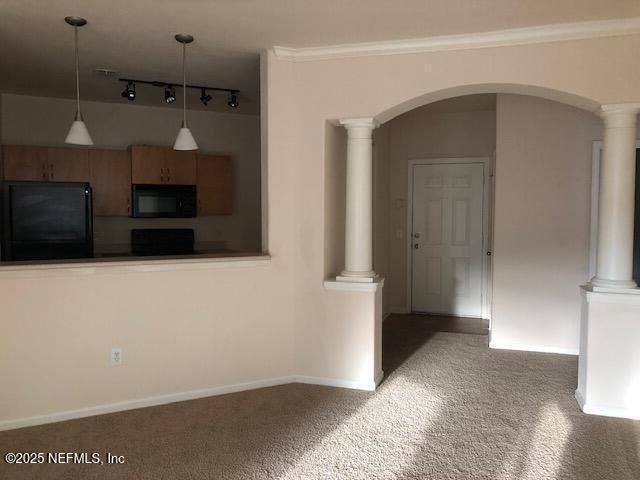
x=169, y=84
x=169, y=91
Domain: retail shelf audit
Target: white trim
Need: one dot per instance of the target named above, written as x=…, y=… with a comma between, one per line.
x=579, y=399
x=628, y=297
x=180, y=397
x=631, y=107
x=487, y=233
x=498, y=38
x=140, y=403
x=132, y=266
x=532, y=348
x=369, y=122
x=354, y=286
x=335, y=382
x=603, y=411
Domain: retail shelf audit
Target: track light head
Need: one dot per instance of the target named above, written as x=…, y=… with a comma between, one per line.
x=169, y=94
x=204, y=98
x=130, y=92
x=233, y=100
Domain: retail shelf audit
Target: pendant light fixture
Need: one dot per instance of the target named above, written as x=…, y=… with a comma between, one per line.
x=184, y=140
x=78, y=133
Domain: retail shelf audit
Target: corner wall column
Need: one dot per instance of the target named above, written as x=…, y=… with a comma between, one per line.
x=614, y=266
x=359, y=209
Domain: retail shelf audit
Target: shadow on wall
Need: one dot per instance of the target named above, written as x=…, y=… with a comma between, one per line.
x=335, y=187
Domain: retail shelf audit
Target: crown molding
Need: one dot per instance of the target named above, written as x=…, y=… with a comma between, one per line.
x=499, y=38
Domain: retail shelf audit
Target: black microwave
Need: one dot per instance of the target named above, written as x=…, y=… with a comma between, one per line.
x=163, y=201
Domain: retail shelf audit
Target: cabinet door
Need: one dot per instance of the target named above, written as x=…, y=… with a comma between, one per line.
x=215, y=185
x=180, y=167
x=68, y=164
x=25, y=162
x=148, y=164
x=111, y=182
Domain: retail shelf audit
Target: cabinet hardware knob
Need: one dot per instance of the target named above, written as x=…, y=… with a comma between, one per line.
x=416, y=246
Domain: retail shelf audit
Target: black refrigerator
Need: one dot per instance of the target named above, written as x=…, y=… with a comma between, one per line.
x=46, y=221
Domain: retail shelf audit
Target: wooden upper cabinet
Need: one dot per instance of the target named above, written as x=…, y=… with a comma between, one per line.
x=147, y=164
x=180, y=167
x=215, y=185
x=162, y=165
x=25, y=162
x=110, y=172
x=68, y=164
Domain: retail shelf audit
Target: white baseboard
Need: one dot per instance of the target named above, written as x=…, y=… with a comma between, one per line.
x=603, y=411
x=335, y=382
x=580, y=400
x=531, y=348
x=378, y=378
x=140, y=403
x=179, y=397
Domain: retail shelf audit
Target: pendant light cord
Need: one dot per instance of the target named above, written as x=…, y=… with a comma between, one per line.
x=75, y=30
x=184, y=85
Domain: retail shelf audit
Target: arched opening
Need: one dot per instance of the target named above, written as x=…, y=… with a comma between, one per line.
x=508, y=252
x=429, y=97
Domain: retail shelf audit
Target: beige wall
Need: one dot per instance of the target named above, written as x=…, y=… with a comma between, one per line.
x=44, y=121
x=425, y=133
x=179, y=329
x=280, y=318
x=542, y=221
x=586, y=73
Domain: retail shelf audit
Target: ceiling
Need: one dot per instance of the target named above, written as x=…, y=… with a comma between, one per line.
x=135, y=37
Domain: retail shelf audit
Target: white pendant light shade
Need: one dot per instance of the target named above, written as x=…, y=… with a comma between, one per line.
x=78, y=133
x=185, y=140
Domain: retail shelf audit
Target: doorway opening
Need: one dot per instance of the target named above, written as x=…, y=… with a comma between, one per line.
x=433, y=194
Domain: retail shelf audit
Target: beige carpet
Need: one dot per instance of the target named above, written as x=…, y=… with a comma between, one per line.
x=450, y=408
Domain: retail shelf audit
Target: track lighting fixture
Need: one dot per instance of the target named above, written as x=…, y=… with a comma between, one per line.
x=204, y=97
x=170, y=90
x=169, y=94
x=130, y=91
x=233, y=100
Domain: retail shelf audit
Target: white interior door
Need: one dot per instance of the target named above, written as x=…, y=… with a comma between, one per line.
x=447, y=238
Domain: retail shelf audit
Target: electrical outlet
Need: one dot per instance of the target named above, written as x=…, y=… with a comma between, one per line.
x=116, y=356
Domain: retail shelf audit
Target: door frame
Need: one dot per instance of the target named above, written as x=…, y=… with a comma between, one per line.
x=487, y=221
x=596, y=159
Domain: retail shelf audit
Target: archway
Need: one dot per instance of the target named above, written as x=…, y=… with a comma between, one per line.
x=540, y=143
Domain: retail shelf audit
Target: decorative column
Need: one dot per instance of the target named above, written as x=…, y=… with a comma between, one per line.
x=614, y=266
x=359, y=210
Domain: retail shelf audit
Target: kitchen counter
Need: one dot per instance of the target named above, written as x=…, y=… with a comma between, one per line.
x=106, y=259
